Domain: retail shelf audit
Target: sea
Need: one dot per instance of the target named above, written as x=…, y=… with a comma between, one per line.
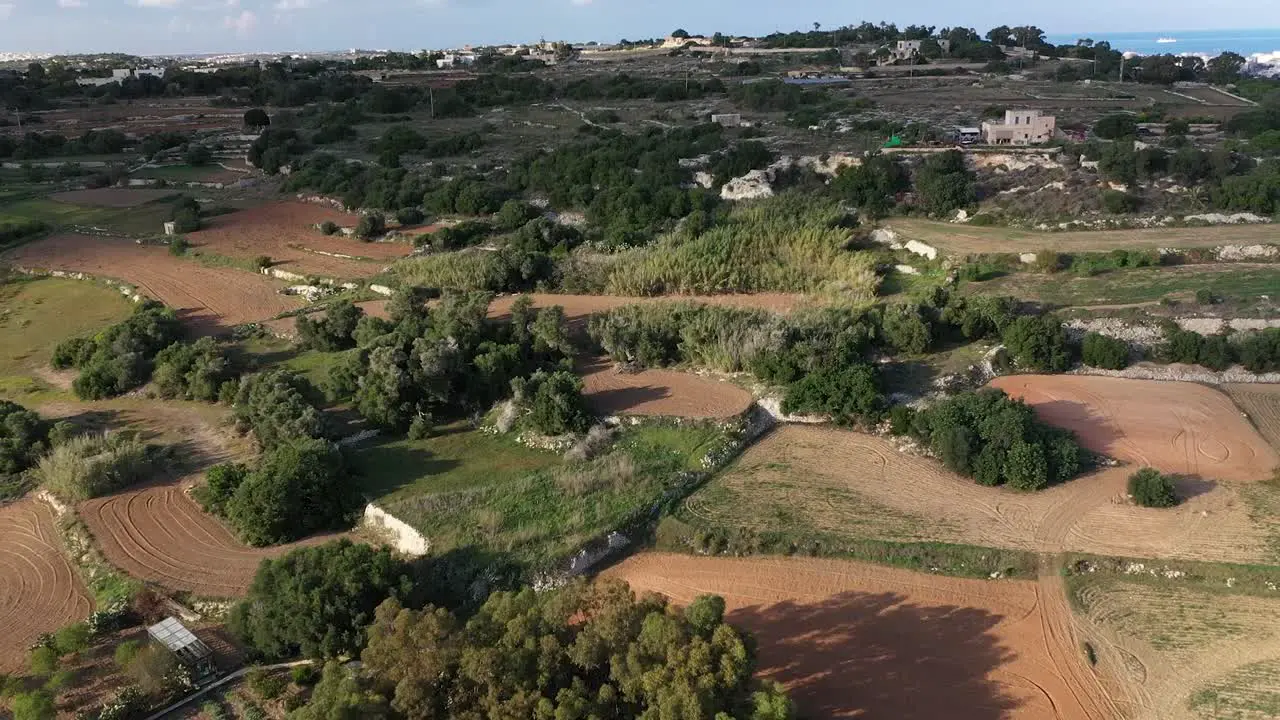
x=1253, y=44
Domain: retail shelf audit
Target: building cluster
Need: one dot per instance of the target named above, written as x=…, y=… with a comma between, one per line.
x=120, y=75
x=1020, y=127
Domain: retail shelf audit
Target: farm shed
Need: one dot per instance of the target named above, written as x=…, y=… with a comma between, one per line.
x=185, y=646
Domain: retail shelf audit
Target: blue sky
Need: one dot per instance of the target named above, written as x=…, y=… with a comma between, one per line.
x=170, y=26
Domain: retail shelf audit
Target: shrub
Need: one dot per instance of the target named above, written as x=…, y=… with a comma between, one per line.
x=1260, y=351
x=43, y=661
x=280, y=616
x=849, y=394
x=410, y=216
x=996, y=440
x=194, y=371
x=23, y=438
x=119, y=358
x=268, y=686
x=335, y=331
x=1116, y=126
x=371, y=225
x=35, y=705
x=329, y=227
x=274, y=406
x=89, y=466
x=72, y=638
x=906, y=329
x=221, y=483
x=126, y=651
x=305, y=675
x=553, y=401
x=262, y=262
x=1118, y=202
x=1150, y=488
x=179, y=246
x=1038, y=343
x=1098, y=350
x=297, y=488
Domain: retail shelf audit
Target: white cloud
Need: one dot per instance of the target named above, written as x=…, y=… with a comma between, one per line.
x=6, y=9
x=158, y=3
x=287, y=5
x=70, y=3
x=242, y=24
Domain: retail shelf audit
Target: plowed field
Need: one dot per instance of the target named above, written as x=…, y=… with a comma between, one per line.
x=210, y=299
x=1262, y=404
x=39, y=590
x=157, y=533
x=1176, y=427
x=285, y=232
x=659, y=392
x=852, y=640
x=801, y=478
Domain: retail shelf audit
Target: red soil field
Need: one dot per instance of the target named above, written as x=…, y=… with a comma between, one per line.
x=39, y=590
x=850, y=640
x=285, y=232
x=1175, y=427
x=210, y=299
x=158, y=534
x=111, y=197
x=659, y=392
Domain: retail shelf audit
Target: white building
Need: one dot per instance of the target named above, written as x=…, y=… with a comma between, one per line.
x=455, y=59
x=119, y=75
x=1020, y=127
x=907, y=49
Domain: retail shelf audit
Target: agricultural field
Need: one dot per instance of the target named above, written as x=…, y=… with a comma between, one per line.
x=1262, y=404
x=612, y=391
x=286, y=233
x=1179, y=428
x=190, y=173
x=960, y=239
x=115, y=210
x=210, y=299
x=855, y=640
x=39, y=589
x=38, y=313
x=1136, y=285
x=1181, y=650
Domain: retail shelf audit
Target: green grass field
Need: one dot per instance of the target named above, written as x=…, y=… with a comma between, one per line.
x=1135, y=285
x=178, y=173
x=38, y=313
x=147, y=219
x=464, y=488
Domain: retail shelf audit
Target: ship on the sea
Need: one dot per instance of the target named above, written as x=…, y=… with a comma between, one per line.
x=1165, y=40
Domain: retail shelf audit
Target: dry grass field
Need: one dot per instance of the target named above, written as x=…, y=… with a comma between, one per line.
x=1262, y=404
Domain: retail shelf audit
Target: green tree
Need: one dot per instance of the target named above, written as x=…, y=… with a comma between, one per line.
x=944, y=183
x=317, y=601
x=581, y=651
x=1150, y=488
x=298, y=488
x=256, y=118
x=554, y=402
x=341, y=694
x=1098, y=350
x=274, y=405
x=1038, y=343
x=36, y=705
x=1116, y=126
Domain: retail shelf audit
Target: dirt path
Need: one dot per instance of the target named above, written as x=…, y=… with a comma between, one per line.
x=955, y=238
x=39, y=590
x=855, y=640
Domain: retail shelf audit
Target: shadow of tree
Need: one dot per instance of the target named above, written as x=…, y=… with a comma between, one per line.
x=620, y=400
x=875, y=655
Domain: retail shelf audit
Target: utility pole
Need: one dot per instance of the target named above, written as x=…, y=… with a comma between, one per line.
x=431, y=93
x=1122, y=59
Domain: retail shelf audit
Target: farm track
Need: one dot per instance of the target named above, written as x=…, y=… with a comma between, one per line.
x=967, y=239
x=210, y=299
x=39, y=590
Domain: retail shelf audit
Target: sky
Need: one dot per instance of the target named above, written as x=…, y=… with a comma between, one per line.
x=209, y=26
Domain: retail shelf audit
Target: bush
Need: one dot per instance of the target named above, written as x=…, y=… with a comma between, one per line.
x=72, y=638
x=297, y=488
x=1116, y=126
x=43, y=661
x=996, y=440
x=282, y=615
x=262, y=262
x=1150, y=488
x=275, y=407
x=1038, y=343
x=220, y=485
x=945, y=184
x=329, y=227
x=126, y=651
x=371, y=225
x=35, y=705
x=268, y=686
x=849, y=394
x=305, y=675
x=335, y=331
x=179, y=246
x=24, y=437
x=906, y=329
x=553, y=401
x=1101, y=351
x=119, y=358
x=89, y=466
x=410, y=216
x=194, y=371
x=1260, y=351
x=1118, y=202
